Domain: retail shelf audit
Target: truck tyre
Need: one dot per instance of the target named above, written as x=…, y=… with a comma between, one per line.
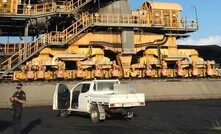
x=95, y=114
x=63, y=113
x=130, y=114
x=127, y=114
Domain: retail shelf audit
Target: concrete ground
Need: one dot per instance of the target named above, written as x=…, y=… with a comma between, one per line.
x=162, y=117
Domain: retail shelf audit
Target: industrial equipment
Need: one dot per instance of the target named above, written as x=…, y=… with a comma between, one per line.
x=86, y=39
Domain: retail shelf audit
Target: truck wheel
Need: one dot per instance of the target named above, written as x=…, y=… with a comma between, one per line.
x=95, y=115
x=63, y=113
x=130, y=114
x=127, y=115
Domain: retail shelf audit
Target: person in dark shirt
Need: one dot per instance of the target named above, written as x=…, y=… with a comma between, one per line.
x=17, y=100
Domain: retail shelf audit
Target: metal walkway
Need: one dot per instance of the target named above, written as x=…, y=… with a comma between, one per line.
x=65, y=36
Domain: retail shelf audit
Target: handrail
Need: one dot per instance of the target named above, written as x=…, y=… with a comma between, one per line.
x=24, y=53
x=47, y=7
x=34, y=46
x=104, y=19
x=85, y=20
x=37, y=8
x=71, y=5
x=140, y=19
x=99, y=18
x=9, y=48
x=69, y=32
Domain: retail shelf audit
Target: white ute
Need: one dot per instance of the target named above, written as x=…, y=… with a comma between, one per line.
x=98, y=98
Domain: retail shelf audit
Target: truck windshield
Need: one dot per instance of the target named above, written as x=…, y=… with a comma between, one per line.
x=105, y=86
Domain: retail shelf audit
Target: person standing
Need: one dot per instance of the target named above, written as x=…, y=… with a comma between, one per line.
x=17, y=100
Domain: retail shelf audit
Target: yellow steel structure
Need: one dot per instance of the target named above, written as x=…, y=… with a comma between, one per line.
x=8, y=6
x=91, y=53
x=12, y=7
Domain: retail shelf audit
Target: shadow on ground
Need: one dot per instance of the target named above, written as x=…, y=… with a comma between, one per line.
x=4, y=125
x=31, y=125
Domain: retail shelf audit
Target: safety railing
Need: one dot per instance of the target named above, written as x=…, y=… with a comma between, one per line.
x=69, y=32
x=6, y=7
x=41, y=41
x=7, y=48
x=42, y=8
x=38, y=8
x=189, y=23
x=72, y=5
x=100, y=18
x=24, y=53
x=86, y=20
x=140, y=19
x=35, y=9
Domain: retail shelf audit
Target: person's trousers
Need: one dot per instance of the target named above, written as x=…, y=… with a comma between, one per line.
x=16, y=123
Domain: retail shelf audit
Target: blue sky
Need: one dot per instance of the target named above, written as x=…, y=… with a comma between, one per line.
x=208, y=12
x=209, y=20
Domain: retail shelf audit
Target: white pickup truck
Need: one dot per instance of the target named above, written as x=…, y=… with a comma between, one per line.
x=98, y=98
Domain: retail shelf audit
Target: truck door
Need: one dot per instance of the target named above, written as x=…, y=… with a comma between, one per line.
x=61, y=98
x=83, y=97
x=75, y=96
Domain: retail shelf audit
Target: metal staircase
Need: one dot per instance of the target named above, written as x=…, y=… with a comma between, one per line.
x=67, y=35
x=48, y=7
x=44, y=40
x=61, y=38
x=22, y=55
x=74, y=6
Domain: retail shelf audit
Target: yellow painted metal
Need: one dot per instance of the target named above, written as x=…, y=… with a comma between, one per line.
x=48, y=75
x=162, y=13
x=85, y=21
x=125, y=61
x=98, y=54
x=94, y=44
x=115, y=38
x=162, y=5
x=8, y=6
x=12, y=6
x=10, y=48
x=128, y=70
x=20, y=75
x=23, y=53
x=152, y=54
x=41, y=59
x=38, y=8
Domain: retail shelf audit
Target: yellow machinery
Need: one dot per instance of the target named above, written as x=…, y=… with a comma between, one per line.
x=87, y=39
